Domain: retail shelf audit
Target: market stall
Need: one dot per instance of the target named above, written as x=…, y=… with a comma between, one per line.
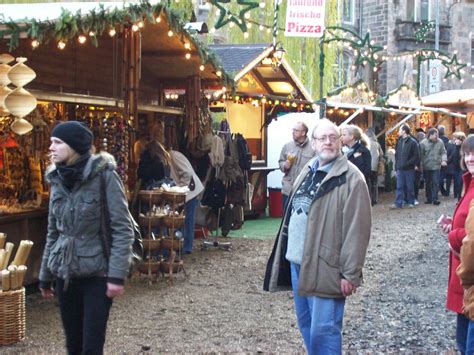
x=266, y=86
x=113, y=73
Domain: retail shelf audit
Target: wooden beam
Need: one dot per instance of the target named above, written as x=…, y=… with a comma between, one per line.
x=263, y=82
x=168, y=54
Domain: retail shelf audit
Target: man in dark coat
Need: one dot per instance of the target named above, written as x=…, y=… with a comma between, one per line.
x=407, y=156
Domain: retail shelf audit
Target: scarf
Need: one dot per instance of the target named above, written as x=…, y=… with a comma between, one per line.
x=70, y=174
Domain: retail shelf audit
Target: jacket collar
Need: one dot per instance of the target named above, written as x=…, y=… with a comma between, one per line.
x=96, y=164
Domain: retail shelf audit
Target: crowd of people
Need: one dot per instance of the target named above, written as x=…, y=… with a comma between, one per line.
x=320, y=254
x=329, y=184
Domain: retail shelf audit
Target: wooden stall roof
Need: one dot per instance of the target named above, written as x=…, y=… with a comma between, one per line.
x=462, y=100
x=244, y=61
x=87, y=70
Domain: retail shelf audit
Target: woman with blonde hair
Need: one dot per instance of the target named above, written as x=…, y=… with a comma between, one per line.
x=87, y=277
x=356, y=147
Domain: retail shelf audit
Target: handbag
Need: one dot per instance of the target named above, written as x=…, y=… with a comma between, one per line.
x=136, y=253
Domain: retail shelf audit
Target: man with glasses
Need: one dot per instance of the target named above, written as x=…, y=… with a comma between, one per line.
x=322, y=242
x=293, y=157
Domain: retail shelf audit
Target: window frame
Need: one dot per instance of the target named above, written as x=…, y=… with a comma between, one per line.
x=351, y=4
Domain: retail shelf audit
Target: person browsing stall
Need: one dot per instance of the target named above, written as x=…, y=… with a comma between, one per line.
x=74, y=257
x=322, y=242
x=293, y=157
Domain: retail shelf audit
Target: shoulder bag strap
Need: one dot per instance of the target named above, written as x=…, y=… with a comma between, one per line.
x=105, y=230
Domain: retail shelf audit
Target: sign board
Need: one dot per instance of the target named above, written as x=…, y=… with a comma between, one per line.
x=305, y=18
x=434, y=76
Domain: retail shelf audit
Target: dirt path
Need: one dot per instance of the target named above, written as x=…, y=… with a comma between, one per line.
x=220, y=306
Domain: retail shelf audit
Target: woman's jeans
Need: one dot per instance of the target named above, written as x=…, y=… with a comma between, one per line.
x=84, y=311
x=189, y=221
x=319, y=319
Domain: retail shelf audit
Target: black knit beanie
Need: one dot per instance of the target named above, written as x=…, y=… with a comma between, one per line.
x=75, y=134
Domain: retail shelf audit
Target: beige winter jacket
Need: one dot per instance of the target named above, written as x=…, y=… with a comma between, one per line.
x=182, y=171
x=337, y=235
x=303, y=153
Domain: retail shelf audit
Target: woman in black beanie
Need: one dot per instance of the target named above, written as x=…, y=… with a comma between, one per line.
x=86, y=281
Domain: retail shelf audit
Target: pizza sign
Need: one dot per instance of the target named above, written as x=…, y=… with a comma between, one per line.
x=305, y=18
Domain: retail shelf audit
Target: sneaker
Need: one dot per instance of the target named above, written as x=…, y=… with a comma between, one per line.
x=416, y=203
x=436, y=203
x=410, y=205
x=395, y=207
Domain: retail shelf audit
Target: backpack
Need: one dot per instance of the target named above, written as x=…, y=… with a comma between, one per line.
x=244, y=154
x=214, y=194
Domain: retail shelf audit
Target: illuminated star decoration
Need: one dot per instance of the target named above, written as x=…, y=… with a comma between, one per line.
x=454, y=67
x=226, y=16
x=366, y=52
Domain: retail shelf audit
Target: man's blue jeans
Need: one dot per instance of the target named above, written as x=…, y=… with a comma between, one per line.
x=405, y=187
x=189, y=221
x=319, y=319
x=432, y=185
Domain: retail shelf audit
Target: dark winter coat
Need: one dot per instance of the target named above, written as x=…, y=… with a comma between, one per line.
x=150, y=169
x=74, y=243
x=407, y=153
x=454, y=159
x=360, y=157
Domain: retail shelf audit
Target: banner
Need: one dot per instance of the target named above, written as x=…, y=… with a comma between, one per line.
x=305, y=18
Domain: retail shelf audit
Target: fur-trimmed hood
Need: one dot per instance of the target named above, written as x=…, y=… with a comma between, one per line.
x=96, y=164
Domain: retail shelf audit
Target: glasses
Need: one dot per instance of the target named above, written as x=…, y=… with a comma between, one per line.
x=332, y=138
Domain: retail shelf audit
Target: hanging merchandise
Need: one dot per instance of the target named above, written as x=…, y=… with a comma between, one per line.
x=19, y=102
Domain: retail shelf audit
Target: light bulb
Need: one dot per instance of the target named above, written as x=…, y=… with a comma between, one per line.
x=61, y=45
x=135, y=28
x=81, y=39
x=188, y=55
x=170, y=33
x=187, y=45
x=35, y=43
x=112, y=32
x=201, y=67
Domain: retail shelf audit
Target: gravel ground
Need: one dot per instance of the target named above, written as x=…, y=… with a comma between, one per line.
x=220, y=305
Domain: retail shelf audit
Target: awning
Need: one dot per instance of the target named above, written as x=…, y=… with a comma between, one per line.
x=461, y=98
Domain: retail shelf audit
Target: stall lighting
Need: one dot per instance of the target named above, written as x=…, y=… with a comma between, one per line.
x=246, y=35
x=135, y=28
x=141, y=24
x=61, y=45
x=219, y=73
x=81, y=39
x=112, y=32
x=170, y=33
x=188, y=55
x=201, y=67
x=158, y=19
x=35, y=43
x=187, y=46
x=91, y=34
x=262, y=5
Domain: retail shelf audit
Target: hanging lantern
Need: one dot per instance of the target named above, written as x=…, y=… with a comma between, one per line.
x=4, y=92
x=21, y=126
x=20, y=102
x=5, y=68
x=20, y=74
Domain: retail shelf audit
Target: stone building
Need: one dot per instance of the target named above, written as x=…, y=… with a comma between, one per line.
x=394, y=24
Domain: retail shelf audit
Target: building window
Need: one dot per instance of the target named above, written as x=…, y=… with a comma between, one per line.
x=348, y=11
x=418, y=10
x=425, y=10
